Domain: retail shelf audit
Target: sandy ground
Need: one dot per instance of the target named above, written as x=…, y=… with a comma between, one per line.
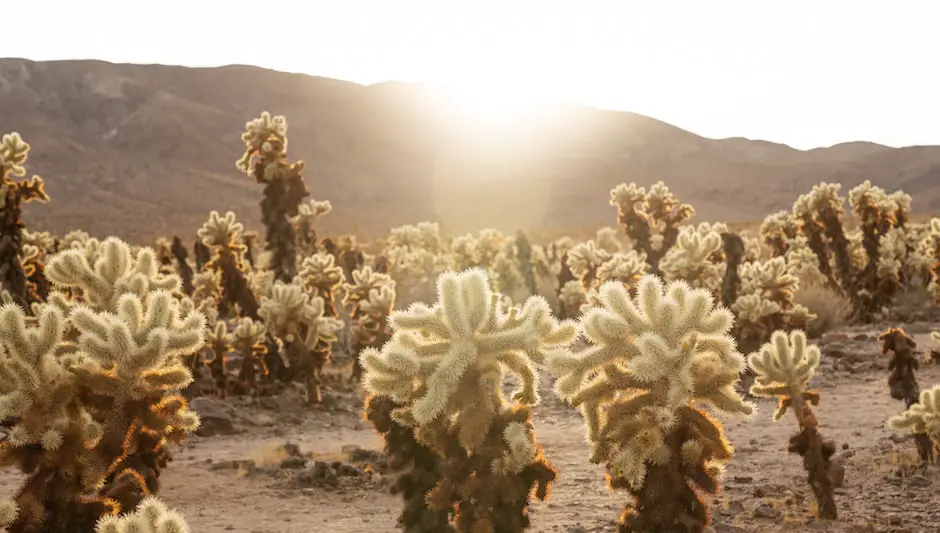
x=764, y=488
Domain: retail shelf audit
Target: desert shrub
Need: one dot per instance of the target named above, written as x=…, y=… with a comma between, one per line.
x=830, y=308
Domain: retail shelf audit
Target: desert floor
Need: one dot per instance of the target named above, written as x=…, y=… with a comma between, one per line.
x=239, y=480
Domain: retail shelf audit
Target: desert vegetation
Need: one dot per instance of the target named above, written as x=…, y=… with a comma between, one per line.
x=658, y=331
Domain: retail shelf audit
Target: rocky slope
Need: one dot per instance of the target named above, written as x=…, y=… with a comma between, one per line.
x=148, y=150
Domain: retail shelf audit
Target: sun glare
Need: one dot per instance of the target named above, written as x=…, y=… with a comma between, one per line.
x=495, y=104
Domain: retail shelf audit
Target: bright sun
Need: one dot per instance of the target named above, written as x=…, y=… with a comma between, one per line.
x=496, y=104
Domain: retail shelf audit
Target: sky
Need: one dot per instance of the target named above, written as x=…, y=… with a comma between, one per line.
x=805, y=73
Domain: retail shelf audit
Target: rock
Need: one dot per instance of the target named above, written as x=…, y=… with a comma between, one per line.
x=294, y=463
x=727, y=528
x=919, y=481
x=262, y=420
x=917, y=328
x=898, y=439
x=765, y=511
x=214, y=419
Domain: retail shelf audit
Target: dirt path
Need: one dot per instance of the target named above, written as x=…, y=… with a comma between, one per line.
x=765, y=488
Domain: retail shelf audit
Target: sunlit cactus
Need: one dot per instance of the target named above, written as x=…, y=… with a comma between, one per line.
x=90, y=387
x=14, y=192
x=652, y=358
x=784, y=366
x=265, y=159
x=444, y=369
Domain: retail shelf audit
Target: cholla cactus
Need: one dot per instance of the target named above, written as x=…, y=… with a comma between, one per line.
x=766, y=303
x=101, y=275
x=734, y=250
x=444, y=368
x=696, y=259
x=784, y=366
x=931, y=250
x=882, y=215
x=778, y=230
x=417, y=468
x=265, y=159
x=219, y=341
x=934, y=356
x=650, y=219
x=867, y=261
x=364, y=281
x=304, y=224
x=903, y=379
x=319, y=274
x=90, y=389
x=223, y=234
x=572, y=298
x=298, y=320
x=183, y=268
x=609, y=240
x=14, y=192
x=423, y=236
x=653, y=357
x=152, y=515
x=584, y=259
x=371, y=329
x=249, y=339
x=923, y=418
x=804, y=264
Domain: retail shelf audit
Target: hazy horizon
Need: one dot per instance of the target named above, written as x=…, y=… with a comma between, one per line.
x=801, y=73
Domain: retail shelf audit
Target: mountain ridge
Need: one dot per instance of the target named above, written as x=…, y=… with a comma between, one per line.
x=147, y=150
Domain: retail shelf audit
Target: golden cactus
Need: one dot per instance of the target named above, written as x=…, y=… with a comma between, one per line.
x=443, y=368
x=654, y=357
x=784, y=366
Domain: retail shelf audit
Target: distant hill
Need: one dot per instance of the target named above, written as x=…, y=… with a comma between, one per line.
x=148, y=150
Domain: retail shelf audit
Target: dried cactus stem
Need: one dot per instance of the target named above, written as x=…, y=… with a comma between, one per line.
x=185, y=271
x=12, y=274
x=733, y=248
x=485, y=500
x=564, y=276
x=814, y=233
x=416, y=469
x=308, y=364
x=665, y=504
x=524, y=258
x=203, y=254
x=218, y=368
x=235, y=288
x=637, y=227
x=52, y=502
x=816, y=453
x=902, y=382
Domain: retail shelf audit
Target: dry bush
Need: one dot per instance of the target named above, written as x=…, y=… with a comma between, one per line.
x=831, y=308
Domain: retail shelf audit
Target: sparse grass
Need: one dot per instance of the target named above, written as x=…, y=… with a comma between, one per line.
x=832, y=310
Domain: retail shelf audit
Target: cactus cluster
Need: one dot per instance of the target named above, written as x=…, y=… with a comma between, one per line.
x=644, y=330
